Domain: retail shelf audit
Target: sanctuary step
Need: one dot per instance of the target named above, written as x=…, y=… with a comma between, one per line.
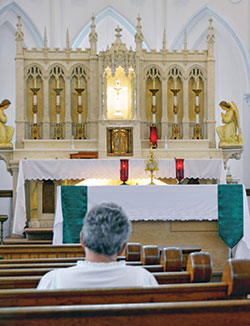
x=33, y=236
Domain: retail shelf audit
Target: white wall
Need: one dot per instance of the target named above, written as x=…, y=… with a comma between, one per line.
x=232, y=39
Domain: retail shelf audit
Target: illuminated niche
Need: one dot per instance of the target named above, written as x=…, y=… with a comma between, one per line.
x=119, y=93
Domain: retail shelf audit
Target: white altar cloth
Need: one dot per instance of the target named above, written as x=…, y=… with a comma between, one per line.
x=58, y=169
x=167, y=203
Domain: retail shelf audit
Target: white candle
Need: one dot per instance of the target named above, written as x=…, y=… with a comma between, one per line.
x=153, y=118
x=35, y=118
x=58, y=118
x=79, y=118
x=57, y=100
x=154, y=100
x=35, y=99
x=79, y=100
x=175, y=118
x=175, y=100
x=197, y=100
x=197, y=118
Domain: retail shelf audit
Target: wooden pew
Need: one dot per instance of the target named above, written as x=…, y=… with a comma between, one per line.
x=205, y=313
x=236, y=284
x=68, y=251
x=27, y=275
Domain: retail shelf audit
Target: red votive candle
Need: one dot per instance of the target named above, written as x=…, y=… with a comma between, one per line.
x=124, y=170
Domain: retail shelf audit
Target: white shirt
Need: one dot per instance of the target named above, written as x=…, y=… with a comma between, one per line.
x=96, y=275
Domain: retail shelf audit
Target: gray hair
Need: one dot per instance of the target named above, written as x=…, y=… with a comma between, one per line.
x=106, y=228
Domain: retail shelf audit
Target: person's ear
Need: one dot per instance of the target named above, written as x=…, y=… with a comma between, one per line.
x=81, y=240
x=122, y=251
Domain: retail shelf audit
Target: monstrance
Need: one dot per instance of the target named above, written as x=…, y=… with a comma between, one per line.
x=151, y=165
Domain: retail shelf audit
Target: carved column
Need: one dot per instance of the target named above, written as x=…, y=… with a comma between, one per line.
x=164, y=120
x=68, y=121
x=185, y=121
x=46, y=121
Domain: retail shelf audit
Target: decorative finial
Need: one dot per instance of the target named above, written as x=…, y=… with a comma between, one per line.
x=93, y=37
x=185, y=40
x=164, y=42
x=118, y=31
x=45, y=41
x=67, y=40
x=138, y=35
x=210, y=38
x=19, y=37
x=19, y=32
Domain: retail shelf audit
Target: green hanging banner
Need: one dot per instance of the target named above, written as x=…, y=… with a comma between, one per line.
x=74, y=208
x=230, y=213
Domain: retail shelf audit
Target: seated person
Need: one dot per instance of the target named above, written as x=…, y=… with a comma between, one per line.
x=104, y=235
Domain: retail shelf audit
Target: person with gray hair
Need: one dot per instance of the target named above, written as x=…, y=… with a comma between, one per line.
x=106, y=230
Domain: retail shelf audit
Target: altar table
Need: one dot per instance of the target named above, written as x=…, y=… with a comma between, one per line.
x=58, y=169
x=164, y=203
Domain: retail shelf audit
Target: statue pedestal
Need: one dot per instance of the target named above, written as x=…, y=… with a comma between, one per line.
x=233, y=152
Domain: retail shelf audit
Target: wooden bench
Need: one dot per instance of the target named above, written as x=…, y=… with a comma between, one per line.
x=205, y=313
x=236, y=284
x=195, y=273
x=11, y=252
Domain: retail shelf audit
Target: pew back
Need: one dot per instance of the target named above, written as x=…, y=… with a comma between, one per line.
x=206, y=313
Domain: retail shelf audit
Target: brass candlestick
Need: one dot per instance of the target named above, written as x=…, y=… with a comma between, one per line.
x=58, y=128
x=153, y=91
x=79, y=127
x=197, y=128
x=35, y=129
x=175, y=128
x=151, y=165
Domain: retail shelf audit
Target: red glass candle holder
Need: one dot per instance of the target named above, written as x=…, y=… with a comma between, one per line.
x=124, y=171
x=153, y=136
x=179, y=166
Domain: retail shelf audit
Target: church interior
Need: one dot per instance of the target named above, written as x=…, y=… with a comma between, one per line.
x=141, y=103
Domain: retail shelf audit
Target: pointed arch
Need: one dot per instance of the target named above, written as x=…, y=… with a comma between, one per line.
x=13, y=6
x=206, y=11
x=108, y=12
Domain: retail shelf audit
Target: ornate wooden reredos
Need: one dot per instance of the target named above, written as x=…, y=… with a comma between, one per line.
x=80, y=99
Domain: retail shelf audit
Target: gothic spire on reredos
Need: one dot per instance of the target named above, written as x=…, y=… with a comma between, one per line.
x=138, y=35
x=93, y=37
x=164, y=41
x=210, y=38
x=19, y=36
